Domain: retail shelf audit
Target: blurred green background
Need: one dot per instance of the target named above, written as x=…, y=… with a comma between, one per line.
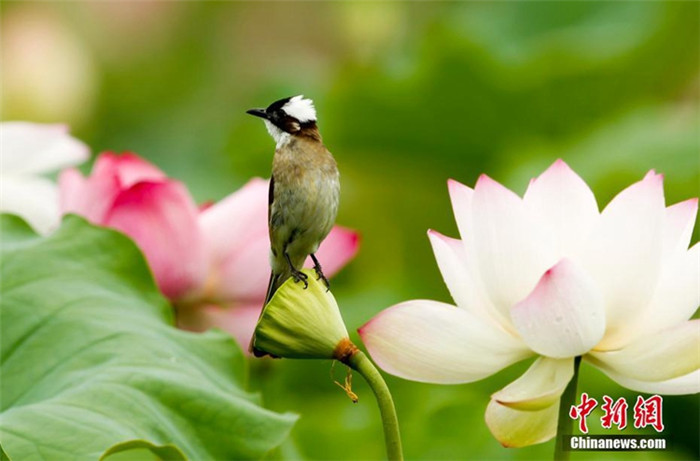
x=408, y=95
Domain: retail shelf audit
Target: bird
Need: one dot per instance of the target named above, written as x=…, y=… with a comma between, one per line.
x=304, y=190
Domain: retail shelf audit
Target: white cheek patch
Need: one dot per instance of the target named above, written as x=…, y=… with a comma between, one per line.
x=278, y=135
x=301, y=109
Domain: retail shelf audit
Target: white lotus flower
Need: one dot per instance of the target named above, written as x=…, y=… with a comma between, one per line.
x=29, y=150
x=549, y=275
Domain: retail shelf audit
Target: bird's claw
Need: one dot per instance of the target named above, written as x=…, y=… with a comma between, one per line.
x=319, y=272
x=300, y=276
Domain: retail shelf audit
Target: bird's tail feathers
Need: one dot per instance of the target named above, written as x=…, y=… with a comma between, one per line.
x=276, y=281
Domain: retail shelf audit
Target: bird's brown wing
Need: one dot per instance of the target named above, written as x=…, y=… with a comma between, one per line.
x=272, y=284
x=270, y=198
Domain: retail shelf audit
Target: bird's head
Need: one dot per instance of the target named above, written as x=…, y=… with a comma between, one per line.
x=292, y=115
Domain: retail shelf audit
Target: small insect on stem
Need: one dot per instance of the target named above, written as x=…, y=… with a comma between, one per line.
x=347, y=386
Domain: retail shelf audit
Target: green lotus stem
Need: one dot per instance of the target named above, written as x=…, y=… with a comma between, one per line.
x=565, y=423
x=358, y=361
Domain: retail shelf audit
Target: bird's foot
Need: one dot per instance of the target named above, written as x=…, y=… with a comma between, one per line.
x=319, y=273
x=300, y=276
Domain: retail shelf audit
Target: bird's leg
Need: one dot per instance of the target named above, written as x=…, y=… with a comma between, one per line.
x=319, y=272
x=297, y=274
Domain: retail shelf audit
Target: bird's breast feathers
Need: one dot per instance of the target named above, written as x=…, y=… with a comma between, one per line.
x=307, y=167
x=306, y=193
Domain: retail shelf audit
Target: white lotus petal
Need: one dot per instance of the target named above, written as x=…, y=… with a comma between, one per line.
x=564, y=315
x=516, y=428
x=540, y=387
x=32, y=198
x=461, y=198
x=511, y=250
x=686, y=384
x=433, y=342
x=679, y=223
x=452, y=261
x=33, y=148
x=676, y=298
x=467, y=293
x=565, y=205
x=624, y=254
x=664, y=355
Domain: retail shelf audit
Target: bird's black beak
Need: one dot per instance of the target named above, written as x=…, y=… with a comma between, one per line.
x=257, y=112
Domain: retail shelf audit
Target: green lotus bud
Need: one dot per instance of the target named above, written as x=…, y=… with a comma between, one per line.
x=302, y=323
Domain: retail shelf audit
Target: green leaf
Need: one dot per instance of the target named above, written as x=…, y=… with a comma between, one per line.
x=15, y=232
x=92, y=365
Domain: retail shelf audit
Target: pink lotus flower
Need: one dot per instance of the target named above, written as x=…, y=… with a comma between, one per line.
x=548, y=275
x=211, y=263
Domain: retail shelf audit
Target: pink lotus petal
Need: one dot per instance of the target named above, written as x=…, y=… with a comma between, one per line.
x=89, y=197
x=72, y=184
x=565, y=205
x=340, y=246
x=236, y=235
x=564, y=316
x=229, y=222
x=161, y=218
x=244, y=275
x=129, y=168
x=237, y=320
x=92, y=197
